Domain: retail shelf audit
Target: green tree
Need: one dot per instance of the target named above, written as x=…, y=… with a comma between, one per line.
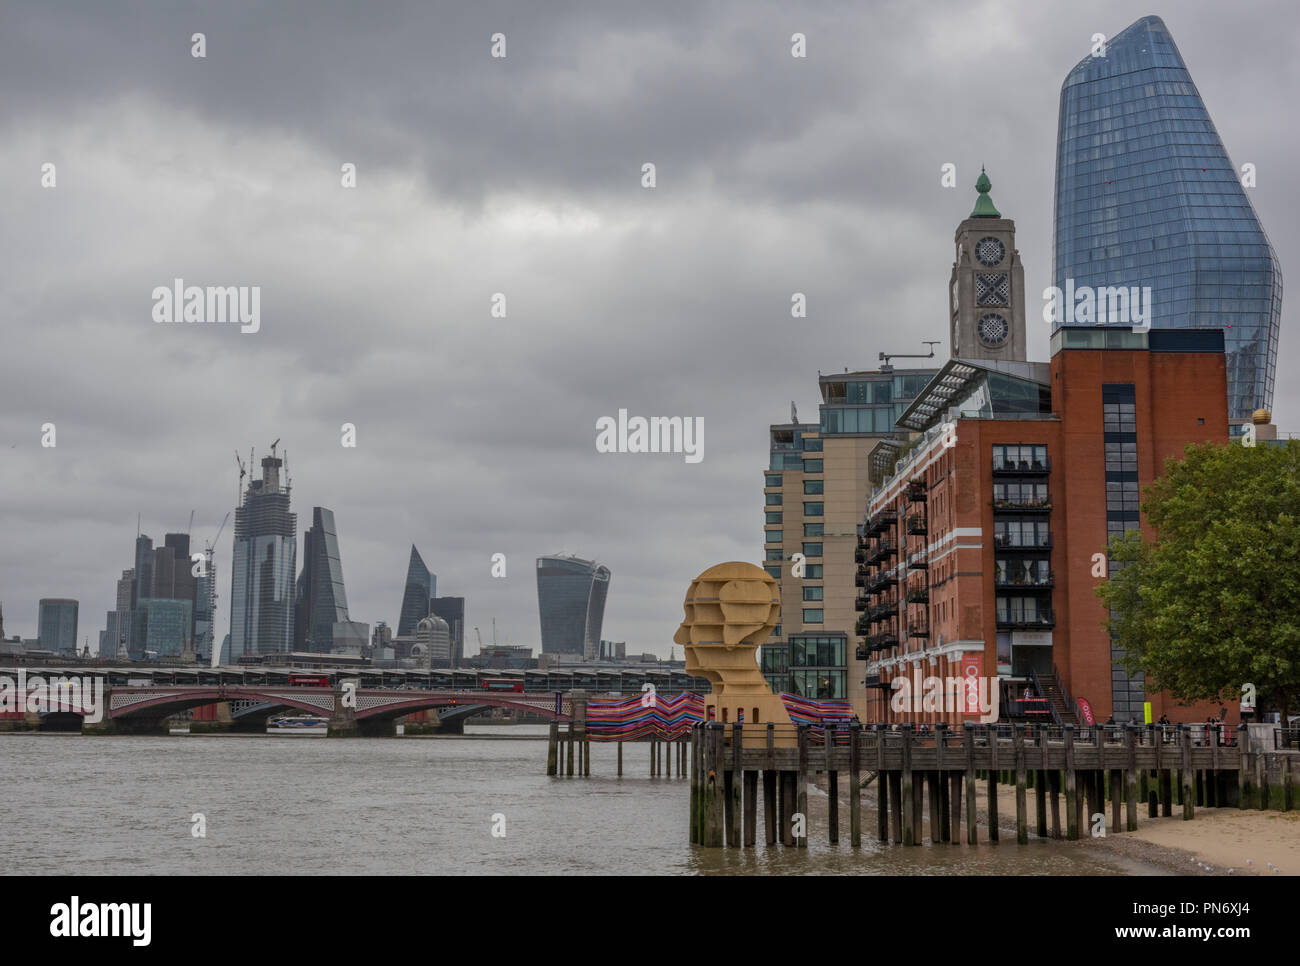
x=1213, y=601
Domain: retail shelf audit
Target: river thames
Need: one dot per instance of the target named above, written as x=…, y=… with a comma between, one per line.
x=301, y=804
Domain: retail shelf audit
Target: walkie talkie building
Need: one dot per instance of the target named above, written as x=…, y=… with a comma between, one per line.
x=1146, y=196
x=571, y=596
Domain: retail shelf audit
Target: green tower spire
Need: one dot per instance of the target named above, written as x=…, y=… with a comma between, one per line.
x=984, y=205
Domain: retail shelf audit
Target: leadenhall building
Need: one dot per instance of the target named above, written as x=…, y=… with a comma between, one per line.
x=986, y=530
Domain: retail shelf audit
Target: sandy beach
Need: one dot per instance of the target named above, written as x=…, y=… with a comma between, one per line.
x=1218, y=841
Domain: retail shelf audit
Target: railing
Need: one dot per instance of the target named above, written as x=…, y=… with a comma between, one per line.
x=1043, y=618
x=1005, y=541
x=1047, y=582
x=1286, y=738
x=1042, y=692
x=1043, y=465
x=1029, y=503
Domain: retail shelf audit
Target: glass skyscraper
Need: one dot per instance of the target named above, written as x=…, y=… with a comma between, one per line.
x=322, y=600
x=571, y=596
x=417, y=598
x=57, y=625
x=1146, y=196
x=262, y=577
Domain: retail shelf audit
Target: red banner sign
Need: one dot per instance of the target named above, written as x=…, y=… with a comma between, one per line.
x=1086, y=708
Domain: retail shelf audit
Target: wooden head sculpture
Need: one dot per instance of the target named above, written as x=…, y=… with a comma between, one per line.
x=730, y=610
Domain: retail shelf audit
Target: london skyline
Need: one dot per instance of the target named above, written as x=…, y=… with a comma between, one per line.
x=475, y=434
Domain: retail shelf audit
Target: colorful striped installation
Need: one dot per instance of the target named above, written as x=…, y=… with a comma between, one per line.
x=648, y=715
x=806, y=711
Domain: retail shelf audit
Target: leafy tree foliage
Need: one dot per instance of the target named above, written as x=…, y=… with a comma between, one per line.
x=1213, y=601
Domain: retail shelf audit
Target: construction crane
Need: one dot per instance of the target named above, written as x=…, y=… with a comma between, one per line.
x=211, y=576
x=190, y=528
x=480, y=640
x=886, y=356
x=243, y=471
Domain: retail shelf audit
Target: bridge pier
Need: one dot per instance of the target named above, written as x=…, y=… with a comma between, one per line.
x=131, y=726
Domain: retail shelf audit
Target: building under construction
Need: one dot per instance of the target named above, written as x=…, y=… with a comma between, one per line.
x=264, y=567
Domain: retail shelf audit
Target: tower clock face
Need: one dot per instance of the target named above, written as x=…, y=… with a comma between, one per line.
x=990, y=251
x=994, y=330
x=992, y=289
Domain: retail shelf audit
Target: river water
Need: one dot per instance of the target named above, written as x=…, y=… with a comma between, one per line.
x=302, y=804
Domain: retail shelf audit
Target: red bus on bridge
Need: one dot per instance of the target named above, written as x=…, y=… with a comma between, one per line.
x=500, y=684
x=309, y=680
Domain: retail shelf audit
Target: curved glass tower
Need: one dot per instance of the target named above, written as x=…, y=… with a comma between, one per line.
x=571, y=600
x=1146, y=196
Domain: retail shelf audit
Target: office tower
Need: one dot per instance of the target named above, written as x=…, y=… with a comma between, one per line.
x=143, y=568
x=417, y=596
x=57, y=625
x=321, y=599
x=815, y=486
x=262, y=574
x=125, y=590
x=571, y=596
x=1146, y=196
x=452, y=610
x=161, y=628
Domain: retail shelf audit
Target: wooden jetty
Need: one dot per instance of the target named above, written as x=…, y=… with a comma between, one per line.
x=1132, y=765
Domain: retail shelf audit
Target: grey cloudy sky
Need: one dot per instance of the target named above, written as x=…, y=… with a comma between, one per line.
x=479, y=175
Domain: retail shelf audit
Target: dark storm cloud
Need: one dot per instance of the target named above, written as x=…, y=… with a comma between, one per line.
x=519, y=176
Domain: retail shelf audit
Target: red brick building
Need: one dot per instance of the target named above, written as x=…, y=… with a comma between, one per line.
x=983, y=545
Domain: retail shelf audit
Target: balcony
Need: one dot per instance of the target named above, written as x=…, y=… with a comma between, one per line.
x=918, y=561
x=875, y=525
x=1022, y=582
x=882, y=550
x=1006, y=541
x=1023, y=505
x=1039, y=467
x=1018, y=620
x=874, y=681
x=882, y=642
x=918, y=629
x=916, y=493
x=919, y=596
x=881, y=611
x=916, y=524
x=881, y=578
x=860, y=581
x=860, y=555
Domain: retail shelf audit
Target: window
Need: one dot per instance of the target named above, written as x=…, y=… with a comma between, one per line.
x=812, y=466
x=814, y=509
x=1024, y=494
x=812, y=615
x=773, y=516
x=1121, y=457
x=813, y=650
x=812, y=445
x=772, y=499
x=772, y=479
x=812, y=549
x=773, y=571
x=1019, y=457
x=813, y=529
x=775, y=554
x=812, y=593
x=812, y=571
x=813, y=487
x=772, y=536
